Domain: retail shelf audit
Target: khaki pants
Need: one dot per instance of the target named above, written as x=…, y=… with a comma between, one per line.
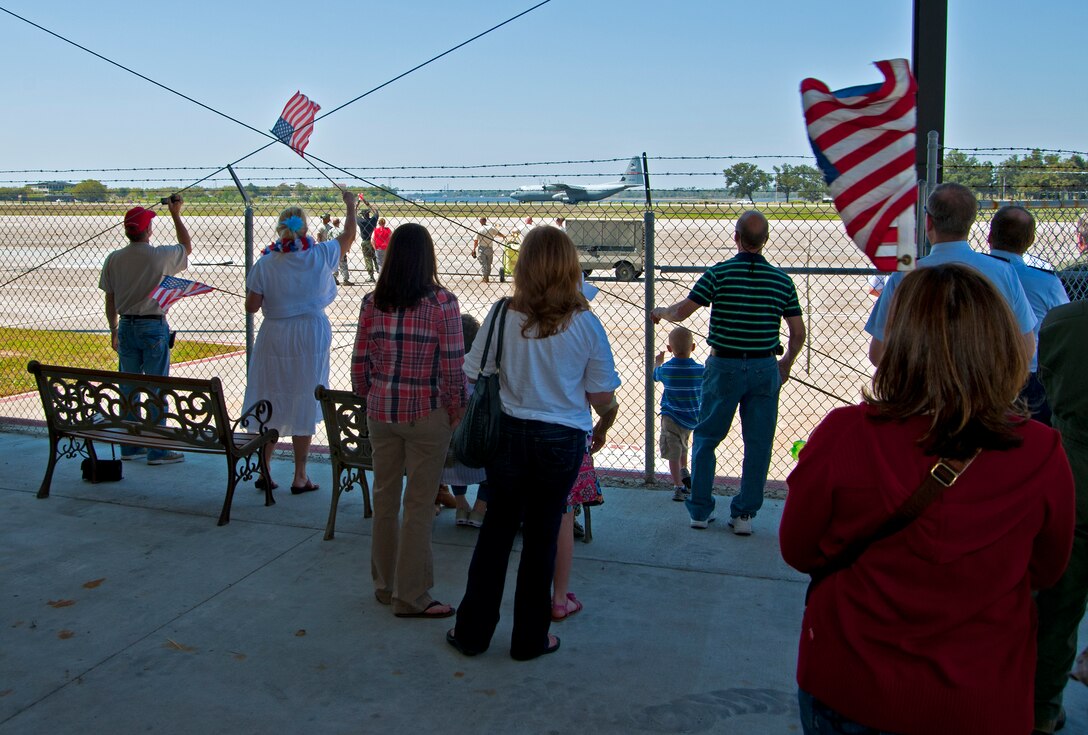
x=401, y=562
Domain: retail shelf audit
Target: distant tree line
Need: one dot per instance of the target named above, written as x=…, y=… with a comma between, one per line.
x=92, y=190
x=1036, y=175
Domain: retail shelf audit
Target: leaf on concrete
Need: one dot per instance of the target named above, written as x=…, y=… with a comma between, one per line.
x=61, y=603
x=175, y=646
x=65, y=635
x=93, y=583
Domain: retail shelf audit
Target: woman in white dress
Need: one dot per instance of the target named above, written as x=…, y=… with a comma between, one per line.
x=291, y=284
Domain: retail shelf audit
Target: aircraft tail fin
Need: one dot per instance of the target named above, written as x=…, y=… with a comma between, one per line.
x=633, y=174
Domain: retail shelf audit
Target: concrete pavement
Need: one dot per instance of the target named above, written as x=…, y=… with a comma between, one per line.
x=126, y=609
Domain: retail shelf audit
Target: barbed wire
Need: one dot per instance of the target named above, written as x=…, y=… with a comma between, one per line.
x=1007, y=150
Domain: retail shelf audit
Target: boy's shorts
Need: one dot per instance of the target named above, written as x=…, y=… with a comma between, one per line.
x=674, y=439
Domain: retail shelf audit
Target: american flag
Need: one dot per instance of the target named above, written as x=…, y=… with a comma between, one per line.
x=296, y=122
x=174, y=289
x=863, y=138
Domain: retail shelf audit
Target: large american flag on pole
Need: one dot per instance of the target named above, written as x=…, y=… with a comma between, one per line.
x=174, y=289
x=296, y=122
x=863, y=138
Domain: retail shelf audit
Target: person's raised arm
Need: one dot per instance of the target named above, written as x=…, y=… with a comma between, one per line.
x=175, y=205
x=678, y=312
x=347, y=237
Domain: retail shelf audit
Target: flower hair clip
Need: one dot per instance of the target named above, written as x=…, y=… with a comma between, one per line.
x=294, y=223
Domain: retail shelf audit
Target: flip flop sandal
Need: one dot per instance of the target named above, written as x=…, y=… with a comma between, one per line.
x=550, y=648
x=259, y=484
x=424, y=614
x=307, y=488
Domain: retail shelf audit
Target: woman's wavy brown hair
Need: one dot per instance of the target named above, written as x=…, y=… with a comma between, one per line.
x=547, y=282
x=410, y=271
x=953, y=352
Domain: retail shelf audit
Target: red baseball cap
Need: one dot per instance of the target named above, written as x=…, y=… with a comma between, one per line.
x=137, y=220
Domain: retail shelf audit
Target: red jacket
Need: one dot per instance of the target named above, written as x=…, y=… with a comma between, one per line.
x=932, y=630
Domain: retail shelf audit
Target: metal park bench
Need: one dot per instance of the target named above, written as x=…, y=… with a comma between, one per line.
x=349, y=447
x=186, y=414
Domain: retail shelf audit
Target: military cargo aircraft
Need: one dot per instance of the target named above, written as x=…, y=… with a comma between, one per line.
x=574, y=193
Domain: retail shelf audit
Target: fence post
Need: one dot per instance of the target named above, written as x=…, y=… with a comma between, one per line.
x=248, y=258
x=932, y=166
x=649, y=280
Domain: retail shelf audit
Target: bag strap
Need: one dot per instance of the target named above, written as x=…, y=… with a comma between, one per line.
x=502, y=330
x=941, y=476
x=498, y=313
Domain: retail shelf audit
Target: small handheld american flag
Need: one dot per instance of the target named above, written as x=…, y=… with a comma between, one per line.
x=174, y=289
x=863, y=138
x=296, y=122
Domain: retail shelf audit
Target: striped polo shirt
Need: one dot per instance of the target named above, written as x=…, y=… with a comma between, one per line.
x=683, y=381
x=748, y=298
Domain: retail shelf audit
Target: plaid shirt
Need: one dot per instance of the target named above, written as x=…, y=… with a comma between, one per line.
x=408, y=362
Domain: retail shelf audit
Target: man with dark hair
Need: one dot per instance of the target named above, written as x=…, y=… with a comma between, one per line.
x=1075, y=276
x=748, y=298
x=950, y=212
x=1012, y=232
x=1062, y=354
x=141, y=338
x=366, y=220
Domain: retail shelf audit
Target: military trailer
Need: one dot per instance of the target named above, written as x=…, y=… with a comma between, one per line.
x=608, y=244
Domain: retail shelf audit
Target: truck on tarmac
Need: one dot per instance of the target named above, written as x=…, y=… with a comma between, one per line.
x=609, y=244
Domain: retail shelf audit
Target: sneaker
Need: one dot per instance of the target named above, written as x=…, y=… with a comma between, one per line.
x=135, y=455
x=168, y=458
x=579, y=532
x=686, y=479
x=741, y=525
x=702, y=524
x=475, y=520
x=680, y=493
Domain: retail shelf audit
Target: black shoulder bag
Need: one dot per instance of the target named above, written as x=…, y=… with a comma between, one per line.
x=476, y=438
x=941, y=476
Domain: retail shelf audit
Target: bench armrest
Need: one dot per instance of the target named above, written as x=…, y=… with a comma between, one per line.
x=255, y=419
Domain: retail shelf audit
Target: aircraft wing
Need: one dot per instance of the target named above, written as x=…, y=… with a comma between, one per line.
x=565, y=187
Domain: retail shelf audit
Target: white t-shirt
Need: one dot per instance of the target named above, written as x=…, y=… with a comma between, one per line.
x=547, y=379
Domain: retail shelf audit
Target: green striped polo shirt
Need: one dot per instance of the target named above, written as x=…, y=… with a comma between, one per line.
x=748, y=298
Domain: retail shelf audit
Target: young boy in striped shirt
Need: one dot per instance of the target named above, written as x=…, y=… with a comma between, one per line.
x=683, y=380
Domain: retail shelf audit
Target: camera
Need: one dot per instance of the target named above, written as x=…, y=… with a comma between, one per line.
x=169, y=199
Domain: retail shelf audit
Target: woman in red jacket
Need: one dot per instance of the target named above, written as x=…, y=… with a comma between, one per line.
x=932, y=629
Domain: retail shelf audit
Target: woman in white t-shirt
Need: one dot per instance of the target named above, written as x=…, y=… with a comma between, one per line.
x=556, y=363
x=291, y=284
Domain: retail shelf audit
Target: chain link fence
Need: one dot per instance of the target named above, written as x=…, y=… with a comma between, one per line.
x=51, y=309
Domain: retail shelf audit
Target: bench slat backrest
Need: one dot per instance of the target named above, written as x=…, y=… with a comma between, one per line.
x=345, y=422
x=78, y=399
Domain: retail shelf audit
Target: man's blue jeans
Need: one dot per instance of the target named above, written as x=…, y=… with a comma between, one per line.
x=819, y=719
x=143, y=346
x=753, y=385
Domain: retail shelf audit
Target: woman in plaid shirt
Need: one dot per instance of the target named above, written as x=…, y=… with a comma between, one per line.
x=407, y=364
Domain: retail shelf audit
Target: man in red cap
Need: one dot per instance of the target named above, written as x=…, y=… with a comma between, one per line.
x=141, y=336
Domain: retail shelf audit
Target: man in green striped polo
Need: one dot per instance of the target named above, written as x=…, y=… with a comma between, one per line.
x=748, y=299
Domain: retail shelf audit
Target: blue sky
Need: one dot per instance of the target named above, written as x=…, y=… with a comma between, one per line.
x=575, y=79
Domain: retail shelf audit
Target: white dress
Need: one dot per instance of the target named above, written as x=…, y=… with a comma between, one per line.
x=291, y=353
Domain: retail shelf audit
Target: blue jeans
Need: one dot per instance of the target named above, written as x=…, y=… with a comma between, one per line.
x=143, y=346
x=529, y=480
x=753, y=385
x=819, y=719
